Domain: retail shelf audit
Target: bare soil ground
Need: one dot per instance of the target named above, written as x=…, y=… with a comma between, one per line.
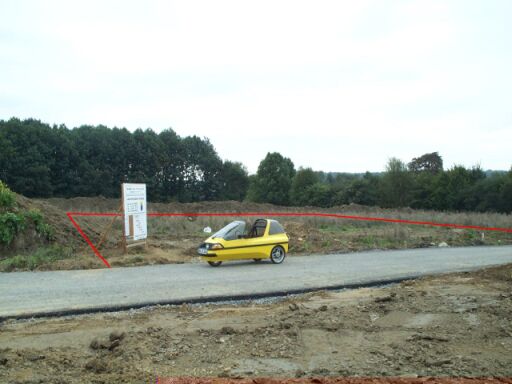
x=336, y=380
x=452, y=325
x=175, y=239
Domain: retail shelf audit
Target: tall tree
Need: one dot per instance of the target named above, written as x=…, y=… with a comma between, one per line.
x=505, y=200
x=27, y=166
x=452, y=190
x=273, y=180
x=429, y=162
x=235, y=181
x=396, y=184
x=201, y=172
x=363, y=191
x=303, y=179
x=173, y=160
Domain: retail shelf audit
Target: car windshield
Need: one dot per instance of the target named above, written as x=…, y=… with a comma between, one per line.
x=230, y=231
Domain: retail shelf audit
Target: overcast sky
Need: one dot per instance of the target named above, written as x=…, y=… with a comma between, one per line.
x=334, y=85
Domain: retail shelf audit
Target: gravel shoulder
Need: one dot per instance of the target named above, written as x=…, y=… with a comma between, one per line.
x=451, y=325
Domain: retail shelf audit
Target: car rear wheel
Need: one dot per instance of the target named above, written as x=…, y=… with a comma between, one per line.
x=215, y=263
x=277, y=255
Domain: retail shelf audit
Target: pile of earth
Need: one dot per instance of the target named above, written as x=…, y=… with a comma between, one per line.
x=64, y=231
x=60, y=229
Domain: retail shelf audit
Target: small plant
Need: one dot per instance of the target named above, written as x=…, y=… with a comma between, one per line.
x=10, y=224
x=14, y=220
x=7, y=197
x=138, y=259
x=42, y=228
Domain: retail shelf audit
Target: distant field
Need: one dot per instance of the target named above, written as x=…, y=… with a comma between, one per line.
x=175, y=239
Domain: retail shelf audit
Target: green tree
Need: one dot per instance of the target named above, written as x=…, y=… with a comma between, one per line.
x=303, y=179
x=422, y=191
x=318, y=195
x=505, y=194
x=429, y=162
x=363, y=191
x=273, y=180
x=172, y=183
x=26, y=165
x=235, y=181
x=396, y=184
x=453, y=189
x=201, y=170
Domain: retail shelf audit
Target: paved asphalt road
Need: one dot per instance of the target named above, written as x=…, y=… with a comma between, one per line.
x=25, y=294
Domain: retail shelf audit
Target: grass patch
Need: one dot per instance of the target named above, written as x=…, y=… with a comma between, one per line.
x=337, y=228
x=36, y=259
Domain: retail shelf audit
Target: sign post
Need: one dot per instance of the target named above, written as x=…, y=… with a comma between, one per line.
x=135, y=229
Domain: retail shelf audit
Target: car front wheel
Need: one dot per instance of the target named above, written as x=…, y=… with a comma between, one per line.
x=277, y=255
x=215, y=263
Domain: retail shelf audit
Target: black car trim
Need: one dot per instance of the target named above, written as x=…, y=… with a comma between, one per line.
x=252, y=246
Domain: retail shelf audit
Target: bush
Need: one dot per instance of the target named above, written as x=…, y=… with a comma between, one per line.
x=42, y=228
x=10, y=224
x=7, y=198
x=13, y=220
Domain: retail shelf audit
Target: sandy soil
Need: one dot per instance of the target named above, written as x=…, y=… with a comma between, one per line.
x=453, y=325
x=335, y=380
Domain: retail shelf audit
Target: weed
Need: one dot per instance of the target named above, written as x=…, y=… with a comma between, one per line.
x=13, y=220
x=7, y=197
x=40, y=257
x=10, y=225
x=326, y=243
x=42, y=228
x=138, y=259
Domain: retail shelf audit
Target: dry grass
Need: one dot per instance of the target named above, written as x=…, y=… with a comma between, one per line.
x=86, y=204
x=174, y=239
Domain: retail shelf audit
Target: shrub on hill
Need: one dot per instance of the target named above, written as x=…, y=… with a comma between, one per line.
x=14, y=220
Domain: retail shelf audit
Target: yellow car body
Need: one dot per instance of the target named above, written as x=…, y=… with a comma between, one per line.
x=238, y=241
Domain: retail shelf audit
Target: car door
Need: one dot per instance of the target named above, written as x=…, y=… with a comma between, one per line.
x=257, y=244
x=234, y=246
x=249, y=247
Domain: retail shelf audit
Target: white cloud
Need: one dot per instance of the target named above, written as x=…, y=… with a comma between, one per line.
x=334, y=85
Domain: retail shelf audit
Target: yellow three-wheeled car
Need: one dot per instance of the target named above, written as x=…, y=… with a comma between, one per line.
x=239, y=240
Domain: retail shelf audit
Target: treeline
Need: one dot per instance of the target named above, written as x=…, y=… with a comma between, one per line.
x=420, y=184
x=38, y=160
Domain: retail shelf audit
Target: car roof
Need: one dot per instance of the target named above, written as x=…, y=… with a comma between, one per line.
x=255, y=221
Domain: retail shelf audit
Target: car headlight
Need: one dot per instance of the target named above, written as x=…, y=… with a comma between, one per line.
x=216, y=246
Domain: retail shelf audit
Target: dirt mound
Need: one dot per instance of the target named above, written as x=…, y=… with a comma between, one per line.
x=102, y=204
x=84, y=204
x=64, y=231
x=60, y=230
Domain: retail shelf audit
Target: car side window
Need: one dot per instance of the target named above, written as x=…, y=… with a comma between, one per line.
x=258, y=228
x=275, y=228
x=235, y=232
